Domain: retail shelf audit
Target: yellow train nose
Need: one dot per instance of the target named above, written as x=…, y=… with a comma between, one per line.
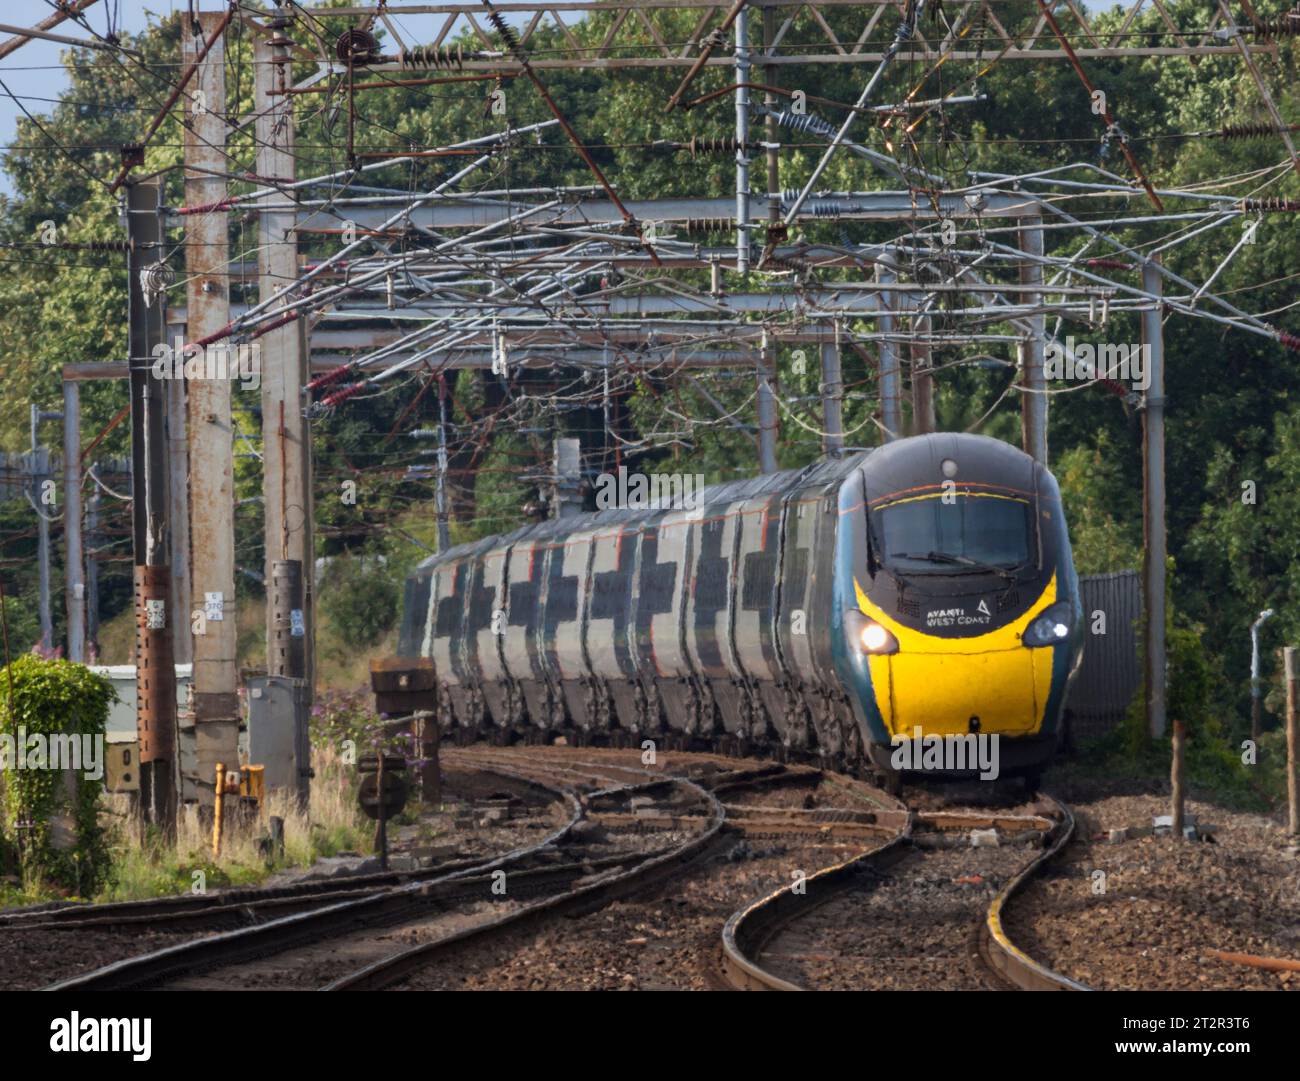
x=940, y=692
x=939, y=683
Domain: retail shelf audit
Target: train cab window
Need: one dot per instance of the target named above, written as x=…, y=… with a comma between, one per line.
x=973, y=532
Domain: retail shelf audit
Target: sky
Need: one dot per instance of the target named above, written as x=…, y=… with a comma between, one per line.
x=34, y=72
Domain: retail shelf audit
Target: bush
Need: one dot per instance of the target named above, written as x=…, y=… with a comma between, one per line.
x=57, y=837
x=360, y=597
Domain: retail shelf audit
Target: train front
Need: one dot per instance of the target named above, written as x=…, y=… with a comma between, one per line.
x=957, y=622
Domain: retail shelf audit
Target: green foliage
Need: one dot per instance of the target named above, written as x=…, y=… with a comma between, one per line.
x=1100, y=506
x=361, y=597
x=54, y=698
x=1198, y=693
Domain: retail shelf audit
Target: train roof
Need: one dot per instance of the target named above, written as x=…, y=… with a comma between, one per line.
x=896, y=465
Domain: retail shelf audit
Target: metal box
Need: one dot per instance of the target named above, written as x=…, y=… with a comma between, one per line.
x=122, y=767
x=278, y=710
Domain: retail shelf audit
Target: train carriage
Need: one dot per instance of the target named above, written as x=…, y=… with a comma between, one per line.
x=840, y=611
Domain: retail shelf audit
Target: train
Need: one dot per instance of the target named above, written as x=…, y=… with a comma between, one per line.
x=856, y=612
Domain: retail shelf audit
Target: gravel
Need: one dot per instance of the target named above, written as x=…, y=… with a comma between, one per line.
x=1162, y=903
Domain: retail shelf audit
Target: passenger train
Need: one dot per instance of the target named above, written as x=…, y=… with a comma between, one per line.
x=835, y=613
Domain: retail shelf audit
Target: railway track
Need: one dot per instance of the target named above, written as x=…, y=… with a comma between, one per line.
x=356, y=932
x=787, y=940
x=378, y=931
x=654, y=867
x=228, y=908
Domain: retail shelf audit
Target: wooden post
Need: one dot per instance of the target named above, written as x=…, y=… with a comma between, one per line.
x=1176, y=774
x=431, y=771
x=381, y=827
x=1292, y=752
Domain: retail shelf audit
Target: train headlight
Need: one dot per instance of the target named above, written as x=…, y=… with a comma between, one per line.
x=868, y=636
x=1050, y=627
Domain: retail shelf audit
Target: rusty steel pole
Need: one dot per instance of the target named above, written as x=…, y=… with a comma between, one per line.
x=286, y=435
x=48, y=23
x=155, y=676
x=211, y=464
x=178, y=513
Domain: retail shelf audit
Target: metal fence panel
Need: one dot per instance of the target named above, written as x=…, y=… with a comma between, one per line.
x=1110, y=673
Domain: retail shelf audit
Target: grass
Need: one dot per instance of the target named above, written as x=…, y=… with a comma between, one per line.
x=332, y=824
x=144, y=865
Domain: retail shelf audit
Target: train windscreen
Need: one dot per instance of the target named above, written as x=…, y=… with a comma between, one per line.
x=967, y=532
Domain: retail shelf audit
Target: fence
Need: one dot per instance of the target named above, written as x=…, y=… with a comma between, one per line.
x=1110, y=674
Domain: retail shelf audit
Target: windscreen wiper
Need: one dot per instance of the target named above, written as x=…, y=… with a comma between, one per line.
x=963, y=561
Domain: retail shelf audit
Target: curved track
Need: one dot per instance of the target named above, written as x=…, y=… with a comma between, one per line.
x=749, y=930
x=654, y=867
x=341, y=936
x=358, y=927
x=1002, y=955
x=227, y=908
x=372, y=907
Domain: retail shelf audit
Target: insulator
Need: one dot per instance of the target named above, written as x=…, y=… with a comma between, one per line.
x=1291, y=341
x=506, y=31
x=330, y=401
x=813, y=208
x=156, y=279
x=822, y=208
x=356, y=45
x=721, y=144
x=710, y=225
x=1285, y=26
x=1252, y=131
x=715, y=39
x=1271, y=206
x=330, y=377
x=433, y=56
x=806, y=123
x=774, y=264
